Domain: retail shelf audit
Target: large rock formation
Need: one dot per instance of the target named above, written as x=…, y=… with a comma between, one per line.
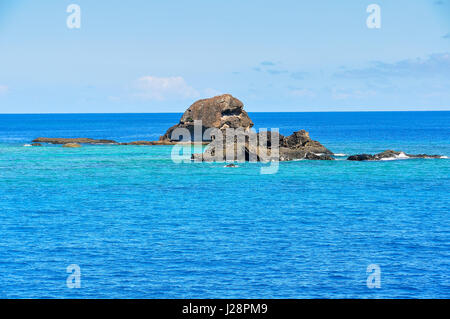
x=226, y=112
x=388, y=155
x=219, y=112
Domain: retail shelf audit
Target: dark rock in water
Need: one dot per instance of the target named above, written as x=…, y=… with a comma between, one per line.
x=361, y=157
x=231, y=165
x=424, y=156
x=219, y=112
x=36, y=144
x=387, y=155
x=72, y=140
x=318, y=157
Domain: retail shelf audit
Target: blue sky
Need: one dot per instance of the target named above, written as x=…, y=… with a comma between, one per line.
x=160, y=56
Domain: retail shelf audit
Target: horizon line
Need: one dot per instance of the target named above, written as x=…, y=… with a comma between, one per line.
x=181, y=112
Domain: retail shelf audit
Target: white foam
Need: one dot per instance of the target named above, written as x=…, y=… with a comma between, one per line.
x=27, y=145
x=444, y=157
x=340, y=154
x=400, y=156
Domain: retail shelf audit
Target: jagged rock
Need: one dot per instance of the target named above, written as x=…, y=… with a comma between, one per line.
x=300, y=140
x=74, y=145
x=219, y=112
x=72, y=140
x=388, y=155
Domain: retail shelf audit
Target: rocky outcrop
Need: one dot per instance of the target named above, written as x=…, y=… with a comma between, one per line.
x=388, y=155
x=241, y=148
x=300, y=146
x=72, y=140
x=36, y=144
x=227, y=112
x=72, y=145
x=219, y=112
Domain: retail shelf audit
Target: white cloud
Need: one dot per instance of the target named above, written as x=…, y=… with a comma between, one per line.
x=3, y=89
x=164, y=88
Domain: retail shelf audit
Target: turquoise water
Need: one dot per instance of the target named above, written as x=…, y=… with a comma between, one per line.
x=141, y=226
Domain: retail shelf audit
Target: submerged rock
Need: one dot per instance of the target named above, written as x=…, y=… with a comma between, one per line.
x=389, y=155
x=71, y=145
x=36, y=144
x=219, y=112
x=72, y=140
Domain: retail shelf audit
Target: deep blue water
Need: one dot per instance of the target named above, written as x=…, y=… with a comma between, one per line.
x=141, y=226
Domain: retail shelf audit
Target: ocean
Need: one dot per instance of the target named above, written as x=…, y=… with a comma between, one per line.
x=139, y=225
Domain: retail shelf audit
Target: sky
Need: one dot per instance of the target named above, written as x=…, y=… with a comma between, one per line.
x=153, y=56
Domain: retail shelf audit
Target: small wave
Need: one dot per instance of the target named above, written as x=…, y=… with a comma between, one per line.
x=27, y=145
x=340, y=154
x=443, y=157
x=400, y=156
